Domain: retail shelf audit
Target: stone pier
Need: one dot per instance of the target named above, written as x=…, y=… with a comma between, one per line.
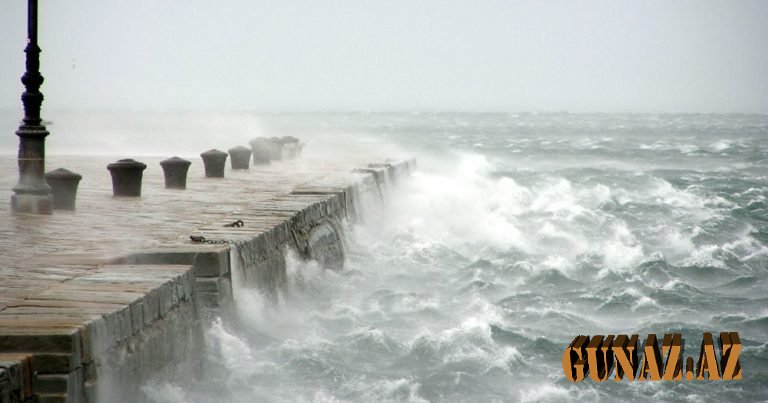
x=95, y=298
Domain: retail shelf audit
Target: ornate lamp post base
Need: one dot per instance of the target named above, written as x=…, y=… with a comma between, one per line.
x=32, y=204
x=32, y=194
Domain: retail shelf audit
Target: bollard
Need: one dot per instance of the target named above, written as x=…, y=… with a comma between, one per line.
x=261, y=148
x=63, y=183
x=290, y=146
x=175, y=170
x=276, y=148
x=126, y=177
x=214, y=161
x=240, y=157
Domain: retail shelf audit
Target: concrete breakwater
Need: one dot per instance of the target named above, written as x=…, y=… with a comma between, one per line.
x=92, y=301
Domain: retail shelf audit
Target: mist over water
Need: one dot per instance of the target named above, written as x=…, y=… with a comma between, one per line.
x=518, y=232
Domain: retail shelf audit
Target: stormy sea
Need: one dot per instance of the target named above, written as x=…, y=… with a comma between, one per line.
x=518, y=232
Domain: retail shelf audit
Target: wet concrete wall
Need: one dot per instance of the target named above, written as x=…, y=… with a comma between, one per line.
x=14, y=378
x=116, y=319
x=309, y=223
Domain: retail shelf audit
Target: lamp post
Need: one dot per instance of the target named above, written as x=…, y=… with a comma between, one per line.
x=32, y=194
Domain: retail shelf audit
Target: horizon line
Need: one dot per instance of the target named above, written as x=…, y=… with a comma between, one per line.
x=413, y=111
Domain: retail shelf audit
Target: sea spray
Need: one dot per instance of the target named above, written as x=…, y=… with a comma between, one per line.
x=472, y=278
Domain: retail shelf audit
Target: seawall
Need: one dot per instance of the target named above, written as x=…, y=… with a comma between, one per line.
x=90, y=304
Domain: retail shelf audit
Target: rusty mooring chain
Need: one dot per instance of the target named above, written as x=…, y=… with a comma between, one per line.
x=202, y=239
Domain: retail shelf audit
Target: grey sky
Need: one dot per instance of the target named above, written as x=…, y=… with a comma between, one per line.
x=660, y=56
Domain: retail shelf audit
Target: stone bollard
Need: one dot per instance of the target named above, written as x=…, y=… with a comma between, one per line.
x=63, y=183
x=126, y=177
x=175, y=170
x=290, y=146
x=262, y=150
x=240, y=157
x=276, y=148
x=214, y=161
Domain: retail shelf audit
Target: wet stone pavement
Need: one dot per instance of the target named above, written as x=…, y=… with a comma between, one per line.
x=102, y=227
